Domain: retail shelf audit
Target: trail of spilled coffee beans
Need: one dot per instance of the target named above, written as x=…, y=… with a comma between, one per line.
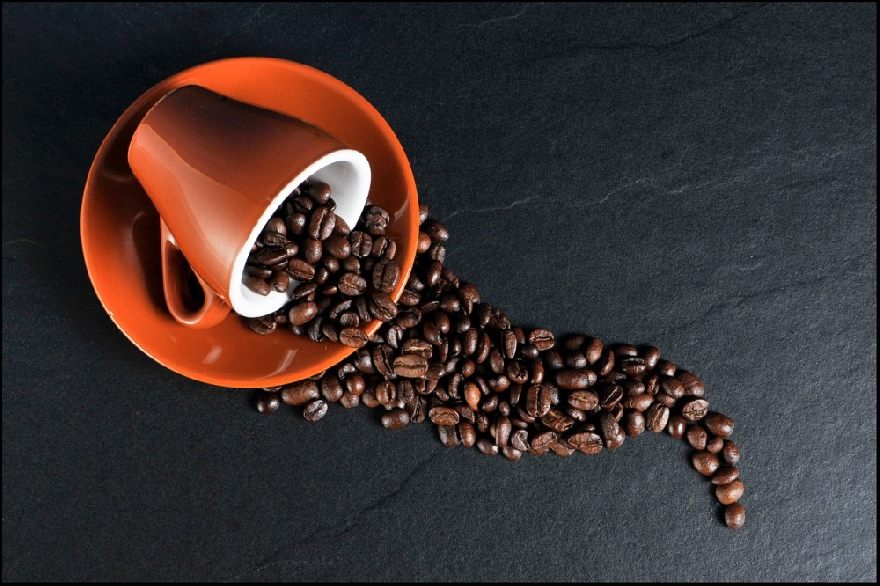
x=444, y=355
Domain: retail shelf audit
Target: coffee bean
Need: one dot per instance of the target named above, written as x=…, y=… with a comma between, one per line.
x=448, y=435
x=586, y=442
x=651, y=354
x=300, y=269
x=667, y=368
x=410, y=365
x=385, y=275
x=693, y=385
x=634, y=423
x=575, y=379
x=395, y=419
x=473, y=395
x=676, y=426
x=423, y=243
x=520, y=440
x=725, y=475
x=561, y=447
x=633, y=366
x=468, y=433
x=605, y=364
x=610, y=395
x=557, y=421
x=734, y=515
x=353, y=337
x=443, y=416
x=656, y=417
x=382, y=307
x=302, y=313
x=705, y=463
x=672, y=386
x=696, y=437
x=377, y=220
x=611, y=431
x=538, y=400
x=258, y=285
x=331, y=388
x=257, y=271
x=321, y=223
x=719, y=424
x=695, y=409
x=435, y=230
x=714, y=444
x=541, y=442
x=296, y=223
x=315, y=410
x=267, y=403
x=318, y=191
x=730, y=452
x=542, y=339
x=637, y=402
x=730, y=493
x=486, y=447
x=584, y=400
x=300, y=393
x=664, y=399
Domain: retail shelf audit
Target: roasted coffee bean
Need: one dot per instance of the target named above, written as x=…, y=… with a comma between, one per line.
x=444, y=416
x=541, y=442
x=666, y=368
x=672, y=387
x=395, y=419
x=719, y=424
x=586, y=442
x=561, y=447
x=714, y=444
x=652, y=384
x=448, y=435
x=656, y=417
x=520, y=440
x=557, y=421
x=542, y=339
x=696, y=437
x=435, y=230
x=303, y=203
x=361, y=243
x=296, y=223
x=637, y=402
x=353, y=337
x=472, y=395
x=651, y=354
x=377, y=220
x=538, y=400
x=633, y=423
x=423, y=243
x=584, y=400
x=729, y=493
x=705, y=463
x=302, y=313
x=517, y=372
x=262, y=325
x=321, y=223
x=280, y=281
x=730, y=452
x=313, y=250
x=300, y=393
x=693, y=385
x=611, y=431
x=576, y=360
x=385, y=275
x=331, y=388
x=258, y=272
x=605, y=364
x=575, y=379
x=664, y=399
x=382, y=307
x=267, y=402
x=725, y=475
x=410, y=365
x=735, y=515
x=468, y=433
x=270, y=256
x=304, y=290
x=610, y=395
x=695, y=409
x=315, y=410
x=352, y=284
x=300, y=269
x=258, y=285
x=676, y=426
x=318, y=191
x=469, y=296
x=503, y=429
x=486, y=447
x=633, y=366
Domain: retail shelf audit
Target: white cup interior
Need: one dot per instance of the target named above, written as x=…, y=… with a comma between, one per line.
x=348, y=174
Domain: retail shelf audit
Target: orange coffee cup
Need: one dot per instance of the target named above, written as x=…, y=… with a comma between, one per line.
x=216, y=169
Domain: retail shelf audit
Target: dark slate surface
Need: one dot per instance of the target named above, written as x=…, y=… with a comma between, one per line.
x=699, y=177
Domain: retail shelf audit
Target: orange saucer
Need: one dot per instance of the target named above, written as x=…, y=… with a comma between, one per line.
x=119, y=226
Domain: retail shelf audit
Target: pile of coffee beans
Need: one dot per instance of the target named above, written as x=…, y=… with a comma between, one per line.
x=344, y=276
x=444, y=355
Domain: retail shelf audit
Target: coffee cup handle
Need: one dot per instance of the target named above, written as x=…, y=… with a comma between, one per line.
x=178, y=282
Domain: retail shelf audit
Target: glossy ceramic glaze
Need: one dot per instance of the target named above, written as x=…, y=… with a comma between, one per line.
x=120, y=226
x=216, y=168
